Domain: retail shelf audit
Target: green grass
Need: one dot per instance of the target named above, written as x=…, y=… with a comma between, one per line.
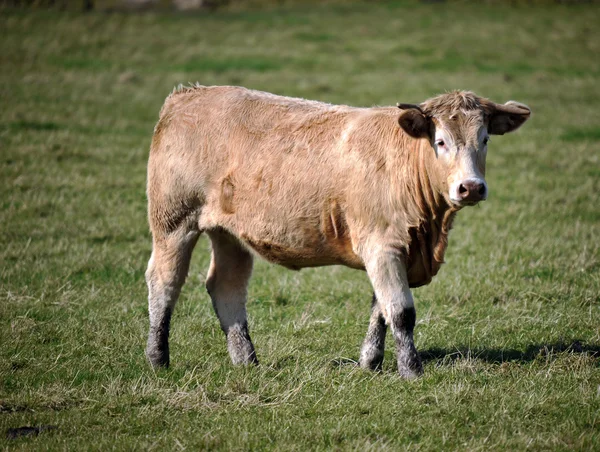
x=509, y=330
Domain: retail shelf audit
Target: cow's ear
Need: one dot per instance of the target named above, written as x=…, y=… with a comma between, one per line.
x=414, y=122
x=508, y=117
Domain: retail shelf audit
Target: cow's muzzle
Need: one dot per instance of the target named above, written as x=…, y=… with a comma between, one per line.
x=469, y=192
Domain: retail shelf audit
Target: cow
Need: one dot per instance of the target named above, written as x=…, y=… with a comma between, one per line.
x=302, y=183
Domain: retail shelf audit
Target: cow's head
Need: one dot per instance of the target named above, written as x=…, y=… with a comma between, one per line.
x=458, y=126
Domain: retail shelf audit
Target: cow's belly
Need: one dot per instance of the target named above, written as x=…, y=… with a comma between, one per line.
x=311, y=254
x=294, y=243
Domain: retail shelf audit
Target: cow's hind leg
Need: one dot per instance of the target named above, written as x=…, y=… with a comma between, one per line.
x=227, y=284
x=167, y=270
x=371, y=352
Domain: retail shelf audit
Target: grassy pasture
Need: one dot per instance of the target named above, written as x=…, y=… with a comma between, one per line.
x=509, y=330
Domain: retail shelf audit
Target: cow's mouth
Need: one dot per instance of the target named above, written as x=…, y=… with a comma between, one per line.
x=465, y=203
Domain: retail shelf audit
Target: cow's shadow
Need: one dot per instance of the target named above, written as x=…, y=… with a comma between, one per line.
x=504, y=355
x=446, y=356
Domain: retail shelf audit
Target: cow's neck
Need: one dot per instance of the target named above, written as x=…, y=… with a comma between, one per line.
x=429, y=230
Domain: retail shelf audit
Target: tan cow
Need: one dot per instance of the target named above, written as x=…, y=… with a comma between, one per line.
x=303, y=184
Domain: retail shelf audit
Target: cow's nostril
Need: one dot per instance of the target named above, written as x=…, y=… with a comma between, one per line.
x=471, y=190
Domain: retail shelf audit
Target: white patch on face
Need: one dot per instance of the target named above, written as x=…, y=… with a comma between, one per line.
x=466, y=182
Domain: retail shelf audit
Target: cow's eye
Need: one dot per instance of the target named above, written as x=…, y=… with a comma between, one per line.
x=440, y=143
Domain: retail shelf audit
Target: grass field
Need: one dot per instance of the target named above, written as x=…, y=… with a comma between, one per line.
x=509, y=330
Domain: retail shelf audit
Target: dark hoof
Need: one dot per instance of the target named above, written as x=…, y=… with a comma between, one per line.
x=157, y=348
x=372, y=363
x=409, y=365
x=240, y=347
x=250, y=361
x=371, y=355
x=243, y=357
x=158, y=362
x=159, y=359
x=410, y=374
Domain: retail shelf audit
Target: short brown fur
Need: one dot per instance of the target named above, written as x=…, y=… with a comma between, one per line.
x=280, y=141
x=302, y=183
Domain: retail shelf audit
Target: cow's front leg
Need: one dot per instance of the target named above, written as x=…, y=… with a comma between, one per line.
x=387, y=272
x=371, y=352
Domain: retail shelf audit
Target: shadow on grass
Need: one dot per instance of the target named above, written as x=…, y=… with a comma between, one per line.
x=499, y=356
x=494, y=355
